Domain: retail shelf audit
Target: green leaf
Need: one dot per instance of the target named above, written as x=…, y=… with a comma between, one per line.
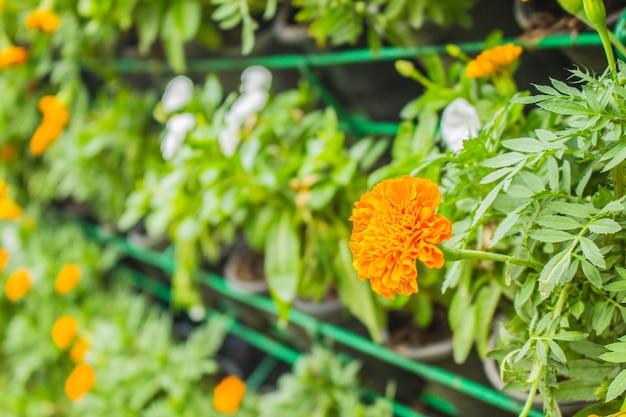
x=556, y=350
x=463, y=335
x=616, y=286
x=617, y=387
x=572, y=209
x=570, y=336
x=504, y=160
x=496, y=175
x=592, y=274
x=486, y=202
x=528, y=145
x=553, y=271
x=563, y=106
x=505, y=225
x=558, y=222
x=550, y=235
x=282, y=262
x=592, y=253
x=617, y=155
x=604, y=226
x=601, y=316
x=486, y=302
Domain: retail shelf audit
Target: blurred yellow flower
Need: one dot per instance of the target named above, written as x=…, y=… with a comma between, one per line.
x=4, y=259
x=55, y=117
x=79, y=350
x=43, y=19
x=394, y=225
x=18, y=284
x=63, y=332
x=13, y=56
x=228, y=394
x=493, y=61
x=9, y=209
x=67, y=279
x=80, y=381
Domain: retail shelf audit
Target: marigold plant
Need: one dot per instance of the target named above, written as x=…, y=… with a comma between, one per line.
x=43, y=19
x=18, y=284
x=493, y=61
x=67, y=279
x=228, y=394
x=64, y=331
x=80, y=381
x=13, y=56
x=394, y=225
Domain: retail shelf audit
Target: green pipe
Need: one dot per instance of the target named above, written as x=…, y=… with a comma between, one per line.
x=357, y=342
x=261, y=372
x=352, y=56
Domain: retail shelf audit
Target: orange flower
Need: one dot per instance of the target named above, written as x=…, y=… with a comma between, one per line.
x=18, y=284
x=494, y=60
x=9, y=210
x=4, y=189
x=63, y=332
x=4, y=259
x=80, y=381
x=55, y=117
x=228, y=394
x=13, y=56
x=395, y=224
x=80, y=348
x=43, y=19
x=67, y=279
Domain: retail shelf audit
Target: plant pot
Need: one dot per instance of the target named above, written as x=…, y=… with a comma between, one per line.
x=330, y=310
x=244, y=273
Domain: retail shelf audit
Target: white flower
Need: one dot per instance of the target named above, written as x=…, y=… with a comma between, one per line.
x=459, y=121
x=255, y=77
x=246, y=105
x=228, y=139
x=176, y=131
x=177, y=94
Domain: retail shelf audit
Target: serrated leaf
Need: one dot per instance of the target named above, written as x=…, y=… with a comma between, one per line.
x=558, y=222
x=592, y=253
x=572, y=209
x=550, y=235
x=604, y=226
x=486, y=202
x=617, y=387
x=528, y=145
x=496, y=175
x=592, y=274
x=556, y=350
x=504, y=160
x=553, y=271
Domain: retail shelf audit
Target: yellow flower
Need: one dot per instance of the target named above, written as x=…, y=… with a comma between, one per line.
x=80, y=381
x=9, y=210
x=228, y=394
x=18, y=284
x=13, y=56
x=394, y=225
x=4, y=259
x=67, y=279
x=4, y=189
x=43, y=19
x=63, y=332
x=493, y=61
x=79, y=350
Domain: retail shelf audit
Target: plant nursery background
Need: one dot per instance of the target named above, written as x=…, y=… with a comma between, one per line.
x=312, y=208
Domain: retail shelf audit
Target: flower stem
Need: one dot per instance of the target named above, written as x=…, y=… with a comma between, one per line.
x=531, y=394
x=454, y=254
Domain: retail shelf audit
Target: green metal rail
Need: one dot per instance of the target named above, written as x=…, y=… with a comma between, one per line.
x=359, y=343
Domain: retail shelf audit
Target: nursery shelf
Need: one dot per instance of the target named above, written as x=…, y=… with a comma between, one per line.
x=432, y=373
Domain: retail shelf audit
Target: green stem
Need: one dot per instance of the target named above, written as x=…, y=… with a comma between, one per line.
x=531, y=395
x=454, y=254
x=561, y=301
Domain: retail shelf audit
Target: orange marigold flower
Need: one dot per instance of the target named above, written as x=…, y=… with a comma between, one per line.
x=9, y=209
x=13, y=56
x=18, y=284
x=80, y=381
x=228, y=394
x=43, y=19
x=493, y=61
x=67, y=279
x=63, y=332
x=4, y=259
x=55, y=117
x=4, y=190
x=79, y=350
x=395, y=224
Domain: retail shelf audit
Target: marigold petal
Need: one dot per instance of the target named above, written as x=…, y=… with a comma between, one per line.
x=13, y=56
x=4, y=259
x=228, y=394
x=80, y=381
x=43, y=19
x=63, y=331
x=18, y=284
